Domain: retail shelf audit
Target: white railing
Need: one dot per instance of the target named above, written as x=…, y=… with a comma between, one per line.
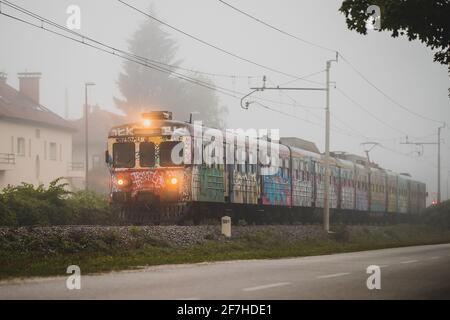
x=7, y=158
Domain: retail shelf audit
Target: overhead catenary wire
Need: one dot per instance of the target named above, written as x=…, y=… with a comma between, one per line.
x=137, y=59
x=385, y=94
x=210, y=44
x=366, y=110
x=160, y=66
x=117, y=53
x=356, y=70
x=127, y=56
x=335, y=129
x=52, y=23
x=276, y=28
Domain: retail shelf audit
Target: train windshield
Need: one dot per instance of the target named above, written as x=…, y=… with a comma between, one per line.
x=147, y=154
x=165, y=154
x=123, y=155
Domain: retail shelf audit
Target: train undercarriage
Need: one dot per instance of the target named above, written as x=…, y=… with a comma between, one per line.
x=196, y=213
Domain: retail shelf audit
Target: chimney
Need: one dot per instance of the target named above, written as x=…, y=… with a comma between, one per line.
x=29, y=84
x=3, y=77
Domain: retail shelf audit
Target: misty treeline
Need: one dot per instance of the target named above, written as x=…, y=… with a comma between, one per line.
x=144, y=89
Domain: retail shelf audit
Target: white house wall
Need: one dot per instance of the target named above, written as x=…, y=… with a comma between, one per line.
x=25, y=167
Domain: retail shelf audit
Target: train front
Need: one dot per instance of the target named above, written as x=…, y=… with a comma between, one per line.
x=150, y=171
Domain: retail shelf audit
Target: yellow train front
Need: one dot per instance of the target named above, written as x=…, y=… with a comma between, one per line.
x=146, y=183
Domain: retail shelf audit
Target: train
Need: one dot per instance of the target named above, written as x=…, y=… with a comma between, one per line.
x=150, y=187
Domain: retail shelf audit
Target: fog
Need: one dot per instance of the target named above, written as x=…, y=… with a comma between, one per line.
x=404, y=70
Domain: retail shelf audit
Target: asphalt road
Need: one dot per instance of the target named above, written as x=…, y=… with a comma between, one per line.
x=421, y=272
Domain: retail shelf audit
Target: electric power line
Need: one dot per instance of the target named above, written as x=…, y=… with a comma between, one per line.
x=127, y=56
x=385, y=94
x=210, y=44
x=340, y=54
x=139, y=60
x=368, y=112
x=276, y=28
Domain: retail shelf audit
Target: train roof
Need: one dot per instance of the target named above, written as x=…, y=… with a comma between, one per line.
x=345, y=163
x=300, y=144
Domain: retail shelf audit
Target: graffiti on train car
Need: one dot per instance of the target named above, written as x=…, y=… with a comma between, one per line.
x=244, y=188
x=276, y=190
x=156, y=181
x=208, y=183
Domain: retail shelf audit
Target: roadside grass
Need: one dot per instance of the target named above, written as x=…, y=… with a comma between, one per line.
x=258, y=245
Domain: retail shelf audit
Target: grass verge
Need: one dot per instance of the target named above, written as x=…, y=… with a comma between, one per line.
x=256, y=245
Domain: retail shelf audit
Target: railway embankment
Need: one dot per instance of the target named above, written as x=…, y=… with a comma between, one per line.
x=45, y=251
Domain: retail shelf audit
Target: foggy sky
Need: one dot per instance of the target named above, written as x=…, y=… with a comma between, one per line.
x=404, y=70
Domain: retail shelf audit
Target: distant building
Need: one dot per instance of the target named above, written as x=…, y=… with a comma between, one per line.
x=99, y=123
x=35, y=143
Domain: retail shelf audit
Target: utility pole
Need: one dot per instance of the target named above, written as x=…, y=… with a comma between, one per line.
x=326, y=208
x=326, y=205
x=438, y=143
x=448, y=176
x=86, y=140
x=66, y=104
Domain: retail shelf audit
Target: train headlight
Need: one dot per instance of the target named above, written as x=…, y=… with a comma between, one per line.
x=173, y=181
x=147, y=123
x=122, y=182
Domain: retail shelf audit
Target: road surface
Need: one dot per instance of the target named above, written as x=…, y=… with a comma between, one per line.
x=421, y=272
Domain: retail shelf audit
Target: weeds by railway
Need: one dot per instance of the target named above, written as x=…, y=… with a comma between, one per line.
x=30, y=252
x=43, y=233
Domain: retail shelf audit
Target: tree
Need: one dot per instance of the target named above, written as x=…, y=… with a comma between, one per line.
x=145, y=89
x=426, y=20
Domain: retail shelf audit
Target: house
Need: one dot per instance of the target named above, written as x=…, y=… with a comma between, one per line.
x=99, y=123
x=35, y=143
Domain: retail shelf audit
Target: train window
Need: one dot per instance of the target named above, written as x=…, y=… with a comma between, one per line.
x=165, y=153
x=147, y=154
x=123, y=155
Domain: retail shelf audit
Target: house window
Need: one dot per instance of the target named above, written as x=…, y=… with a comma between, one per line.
x=53, y=151
x=38, y=133
x=95, y=161
x=21, y=147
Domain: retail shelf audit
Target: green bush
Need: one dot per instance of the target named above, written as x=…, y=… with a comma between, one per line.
x=437, y=215
x=90, y=208
x=35, y=205
x=27, y=205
